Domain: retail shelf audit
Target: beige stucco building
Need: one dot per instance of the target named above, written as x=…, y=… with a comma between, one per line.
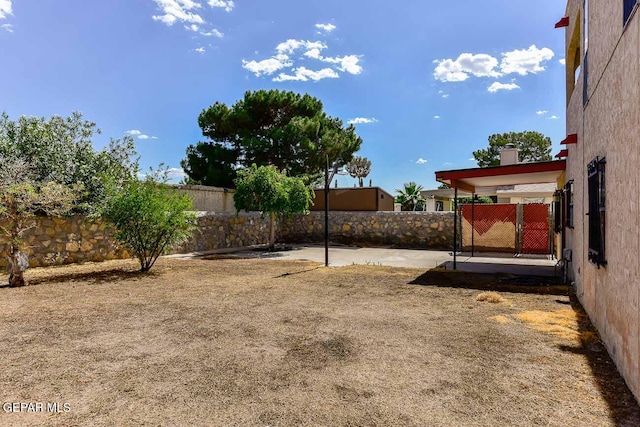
x=603, y=171
x=210, y=199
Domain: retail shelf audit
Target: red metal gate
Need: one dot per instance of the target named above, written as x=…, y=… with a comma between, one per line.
x=489, y=227
x=511, y=228
x=535, y=228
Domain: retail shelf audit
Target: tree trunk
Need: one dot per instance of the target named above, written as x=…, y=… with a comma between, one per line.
x=361, y=183
x=272, y=230
x=17, y=263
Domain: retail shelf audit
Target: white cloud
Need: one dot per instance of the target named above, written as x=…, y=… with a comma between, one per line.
x=313, y=53
x=525, y=61
x=472, y=159
x=200, y=50
x=213, y=32
x=443, y=94
x=436, y=117
x=139, y=135
x=7, y=27
x=421, y=161
x=187, y=12
x=562, y=61
x=267, y=66
x=554, y=117
x=5, y=9
x=519, y=61
x=466, y=65
x=541, y=112
x=175, y=173
x=496, y=86
x=326, y=27
x=304, y=74
x=226, y=5
x=347, y=63
x=447, y=164
x=290, y=46
x=362, y=120
x=312, y=50
x=178, y=10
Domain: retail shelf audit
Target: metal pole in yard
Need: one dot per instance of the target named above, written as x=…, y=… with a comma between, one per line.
x=455, y=225
x=326, y=214
x=473, y=205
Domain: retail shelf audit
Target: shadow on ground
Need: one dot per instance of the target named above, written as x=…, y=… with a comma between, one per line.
x=623, y=408
x=93, y=277
x=492, y=282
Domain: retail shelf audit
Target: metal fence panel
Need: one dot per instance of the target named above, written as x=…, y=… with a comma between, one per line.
x=535, y=230
x=510, y=228
x=493, y=230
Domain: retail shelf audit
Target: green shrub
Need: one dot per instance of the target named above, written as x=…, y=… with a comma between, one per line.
x=150, y=217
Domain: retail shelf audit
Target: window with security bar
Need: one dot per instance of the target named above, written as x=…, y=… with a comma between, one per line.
x=596, y=184
x=558, y=211
x=568, y=204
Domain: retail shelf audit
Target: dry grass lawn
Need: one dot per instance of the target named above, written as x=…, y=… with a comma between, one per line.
x=257, y=342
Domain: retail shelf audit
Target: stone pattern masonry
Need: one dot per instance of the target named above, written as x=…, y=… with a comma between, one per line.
x=56, y=241
x=425, y=230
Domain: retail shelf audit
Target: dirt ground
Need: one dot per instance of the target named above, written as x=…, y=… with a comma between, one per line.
x=278, y=343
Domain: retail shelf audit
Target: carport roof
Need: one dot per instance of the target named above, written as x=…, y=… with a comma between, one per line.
x=521, y=173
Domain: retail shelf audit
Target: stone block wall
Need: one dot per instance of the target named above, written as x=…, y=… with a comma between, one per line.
x=57, y=241
x=226, y=230
x=431, y=230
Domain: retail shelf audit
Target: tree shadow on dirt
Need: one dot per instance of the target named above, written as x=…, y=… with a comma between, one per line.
x=94, y=277
x=623, y=407
x=492, y=282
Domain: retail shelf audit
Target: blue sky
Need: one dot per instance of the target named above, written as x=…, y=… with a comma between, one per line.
x=433, y=79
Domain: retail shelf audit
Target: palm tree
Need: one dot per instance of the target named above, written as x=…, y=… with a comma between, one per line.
x=410, y=196
x=359, y=167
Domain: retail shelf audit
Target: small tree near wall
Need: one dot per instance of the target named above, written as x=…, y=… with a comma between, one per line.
x=359, y=168
x=20, y=200
x=150, y=217
x=266, y=190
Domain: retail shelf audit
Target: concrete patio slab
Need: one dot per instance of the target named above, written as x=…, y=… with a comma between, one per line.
x=341, y=255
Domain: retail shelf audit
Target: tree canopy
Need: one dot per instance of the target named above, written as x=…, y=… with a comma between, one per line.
x=532, y=147
x=359, y=167
x=268, y=127
x=410, y=196
x=20, y=199
x=267, y=190
x=60, y=150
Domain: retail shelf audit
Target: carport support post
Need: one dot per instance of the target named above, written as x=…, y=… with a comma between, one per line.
x=455, y=225
x=473, y=199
